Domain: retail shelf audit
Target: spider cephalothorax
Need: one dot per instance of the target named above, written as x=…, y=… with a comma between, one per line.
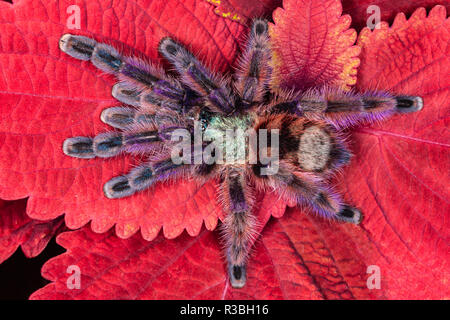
x=297, y=165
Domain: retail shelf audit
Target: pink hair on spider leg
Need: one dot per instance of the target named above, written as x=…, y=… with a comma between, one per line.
x=344, y=109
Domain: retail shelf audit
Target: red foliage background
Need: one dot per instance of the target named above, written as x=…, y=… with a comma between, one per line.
x=398, y=177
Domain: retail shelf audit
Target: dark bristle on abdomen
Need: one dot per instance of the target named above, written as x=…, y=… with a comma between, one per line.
x=204, y=169
x=257, y=170
x=285, y=107
x=339, y=155
x=288, y=141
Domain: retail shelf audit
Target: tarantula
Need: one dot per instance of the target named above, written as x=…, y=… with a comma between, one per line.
x=310, y=148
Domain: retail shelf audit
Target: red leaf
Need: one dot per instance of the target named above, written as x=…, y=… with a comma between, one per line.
x=400, y=173
x=313, y=45
x=404, y=232
x=357, y=9
x=48, y=96
x=297, y=257
x=398, y=178
x=244, y=10
x=17, y=229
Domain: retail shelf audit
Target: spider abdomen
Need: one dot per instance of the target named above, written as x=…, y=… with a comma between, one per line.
x=314, y=149
x=312, y=146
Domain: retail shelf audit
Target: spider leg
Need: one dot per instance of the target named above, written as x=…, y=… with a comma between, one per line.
x=194, y=75
x=109, y=144
x=103, y=145
x=138, y=80
x=344, y=109
x=306, y=188
x=141, y=178
x=119, y=117
x=126, y=94
x=254, y=71
x=239, y=224
x=126, y=118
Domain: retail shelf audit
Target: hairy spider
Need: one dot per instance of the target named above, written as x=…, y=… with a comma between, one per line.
x=309, y=150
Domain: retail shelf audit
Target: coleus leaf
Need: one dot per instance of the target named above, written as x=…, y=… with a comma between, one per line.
x=371, y=239
x=400, y=172
x=243, y=11
x=292, y=260
x=299, y=256
x=357, y=9
x=47, y=96
x=17, y=229
x=313, y=45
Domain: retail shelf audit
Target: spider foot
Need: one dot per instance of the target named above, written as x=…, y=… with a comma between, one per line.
x=79, y=147
x=78, y=47
x=101, y=55
x=260, y=27
x=238, y=275
x=408, y=104
x=126, y=95
x=350, y=214
x=118, y=187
